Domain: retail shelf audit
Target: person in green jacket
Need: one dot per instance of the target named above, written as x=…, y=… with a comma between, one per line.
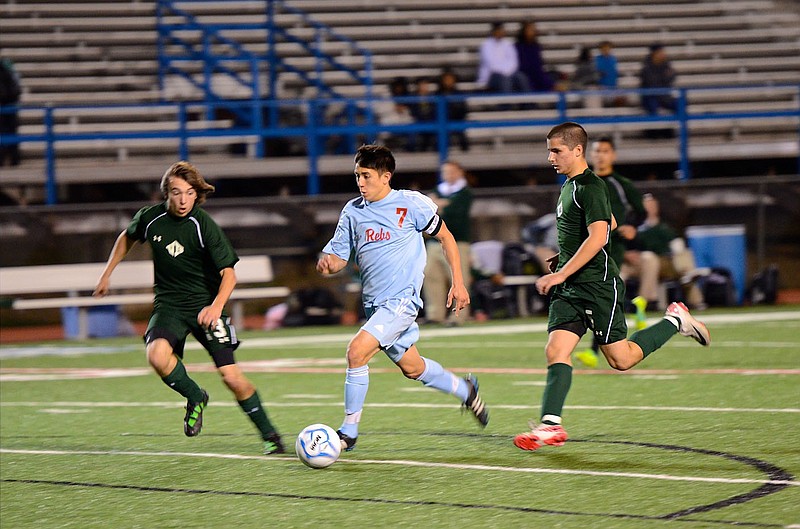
x=454, y=198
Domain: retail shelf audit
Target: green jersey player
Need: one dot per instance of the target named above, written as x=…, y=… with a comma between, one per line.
x=585, y=288
x=194, y=273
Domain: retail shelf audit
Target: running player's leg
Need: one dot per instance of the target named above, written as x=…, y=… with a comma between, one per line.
x=221, y=342
x=360, y=350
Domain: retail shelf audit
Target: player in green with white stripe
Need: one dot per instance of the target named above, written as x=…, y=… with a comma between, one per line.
x=586, y=291
x=194, y=276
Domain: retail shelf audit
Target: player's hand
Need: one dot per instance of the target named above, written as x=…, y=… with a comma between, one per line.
x=209, y=316
x=548, y=281
x=102, y=288
x=330, y=264
x=457, y=298
x=552, y=263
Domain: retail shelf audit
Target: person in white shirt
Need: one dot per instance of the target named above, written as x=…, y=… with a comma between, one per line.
x=499, y=64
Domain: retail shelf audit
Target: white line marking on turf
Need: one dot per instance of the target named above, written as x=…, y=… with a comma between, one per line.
x=410, y=463
x=342, y=339
x=690, y=409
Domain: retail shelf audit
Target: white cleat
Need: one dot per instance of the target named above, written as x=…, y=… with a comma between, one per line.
x=689, y=326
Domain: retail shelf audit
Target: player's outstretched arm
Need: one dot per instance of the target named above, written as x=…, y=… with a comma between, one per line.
x=122, y=246
x=330, y=264
x=458, y=296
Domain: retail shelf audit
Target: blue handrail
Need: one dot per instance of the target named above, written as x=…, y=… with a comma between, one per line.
x=363, y=122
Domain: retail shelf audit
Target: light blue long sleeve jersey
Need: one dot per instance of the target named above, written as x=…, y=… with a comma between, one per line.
x=386, y=238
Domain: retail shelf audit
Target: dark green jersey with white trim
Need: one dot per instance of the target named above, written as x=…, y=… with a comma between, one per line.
x=188, y=254
x=583, y=200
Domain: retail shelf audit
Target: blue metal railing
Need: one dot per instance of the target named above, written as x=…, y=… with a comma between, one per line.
x=216, y=51
x=354, y=124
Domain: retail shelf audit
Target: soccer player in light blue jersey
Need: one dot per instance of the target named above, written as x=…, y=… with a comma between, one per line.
x=383, y=230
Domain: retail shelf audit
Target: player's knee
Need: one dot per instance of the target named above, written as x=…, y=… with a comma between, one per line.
x=235, y=380
x=620, y=364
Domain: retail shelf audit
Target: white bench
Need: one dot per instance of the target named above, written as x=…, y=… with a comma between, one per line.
x=75, y=283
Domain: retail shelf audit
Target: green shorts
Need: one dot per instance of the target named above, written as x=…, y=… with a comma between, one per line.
x=173, y=326
x=597, y=305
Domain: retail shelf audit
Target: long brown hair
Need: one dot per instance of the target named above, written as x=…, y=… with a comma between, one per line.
x=188, y=172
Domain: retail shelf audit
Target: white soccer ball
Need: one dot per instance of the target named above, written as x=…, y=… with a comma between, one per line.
x=318, y=446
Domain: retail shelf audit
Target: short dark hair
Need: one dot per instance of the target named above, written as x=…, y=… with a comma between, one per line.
x=570, y=133
x=606, y=139
x=188, y=172
x=376, y=157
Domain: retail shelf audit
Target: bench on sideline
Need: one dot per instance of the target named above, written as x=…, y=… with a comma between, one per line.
x=71, y=285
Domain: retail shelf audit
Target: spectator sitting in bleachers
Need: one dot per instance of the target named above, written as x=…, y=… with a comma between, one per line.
x=424, y=111
x=456, y=109
x=607, y=68
x=586, y=76
x=394, y=112
x=657, y=72
x=9, y=120
x=658, y=254
x=529, y=56
x=499, y=66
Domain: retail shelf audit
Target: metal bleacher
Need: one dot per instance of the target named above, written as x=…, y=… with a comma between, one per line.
x=98, y=54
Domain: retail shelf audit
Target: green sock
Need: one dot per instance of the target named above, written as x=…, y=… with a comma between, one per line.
x=654, y=336
x=179, y=381
x=255, y=411
x=559, y=379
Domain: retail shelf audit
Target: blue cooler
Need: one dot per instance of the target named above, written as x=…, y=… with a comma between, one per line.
x=722, y=247
x=103, y=321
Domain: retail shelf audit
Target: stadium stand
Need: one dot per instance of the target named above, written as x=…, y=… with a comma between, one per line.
x=100, y=52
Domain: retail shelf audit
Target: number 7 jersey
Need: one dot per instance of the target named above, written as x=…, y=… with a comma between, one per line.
x=385, y=238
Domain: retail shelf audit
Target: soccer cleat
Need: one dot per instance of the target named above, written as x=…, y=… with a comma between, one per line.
x=348, y=443
x=474, y=403
x=689, y=326
x=588, y=358
x=641, y=306
x=540, y=435
x=273, y=444
x=193, y=421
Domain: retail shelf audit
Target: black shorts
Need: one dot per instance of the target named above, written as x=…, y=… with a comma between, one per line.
x=173, y=326
x=596, y=305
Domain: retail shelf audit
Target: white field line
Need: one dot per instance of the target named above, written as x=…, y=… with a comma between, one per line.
x=338, y=403
x=410, y=463
x=343, y=338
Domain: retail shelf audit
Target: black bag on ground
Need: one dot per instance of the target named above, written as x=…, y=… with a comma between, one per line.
x=718, y=288
x=312, y=306
x=764, y=286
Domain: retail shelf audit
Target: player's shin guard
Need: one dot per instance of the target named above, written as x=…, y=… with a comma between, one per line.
x=435, y=376
x=356, y=384
x=179, y=381
x=559, y=380
x=655, y=336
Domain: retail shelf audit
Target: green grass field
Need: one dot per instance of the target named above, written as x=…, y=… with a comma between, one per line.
x=693, y=437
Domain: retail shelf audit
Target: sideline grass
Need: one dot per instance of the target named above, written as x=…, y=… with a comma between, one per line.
x=691, y=438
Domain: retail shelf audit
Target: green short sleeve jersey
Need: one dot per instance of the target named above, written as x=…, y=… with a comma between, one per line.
x=188, y=255
x=583, y=200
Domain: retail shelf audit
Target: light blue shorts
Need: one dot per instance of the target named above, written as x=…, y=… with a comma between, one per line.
x=394, y=325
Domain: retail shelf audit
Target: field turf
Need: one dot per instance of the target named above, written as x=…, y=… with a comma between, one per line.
x=691, y=438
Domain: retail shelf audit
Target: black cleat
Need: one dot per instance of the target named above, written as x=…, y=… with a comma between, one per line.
x=474, y=403
x=348, y=443
x=193, y=421
x=273, y=444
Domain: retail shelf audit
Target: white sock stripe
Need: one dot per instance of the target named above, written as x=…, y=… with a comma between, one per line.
x=552, y=418
x=676, y=321
x=358, y=371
